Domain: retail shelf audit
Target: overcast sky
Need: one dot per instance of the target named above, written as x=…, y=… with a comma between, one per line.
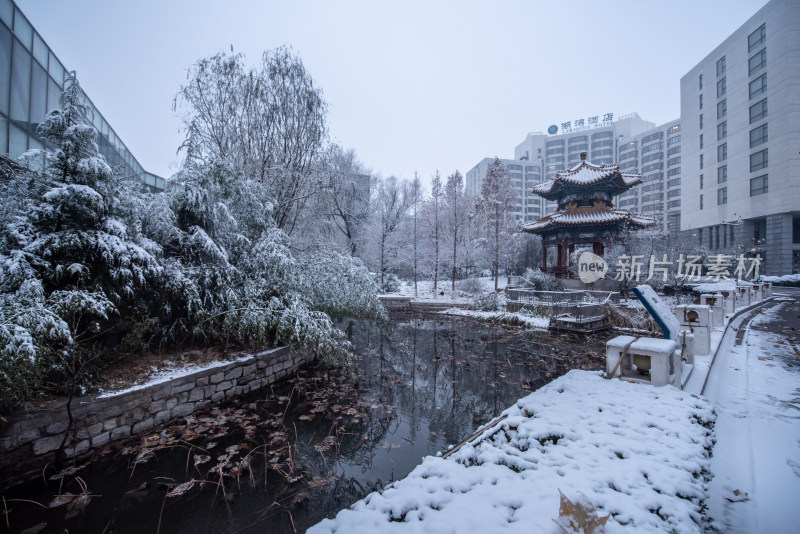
x=411, y=85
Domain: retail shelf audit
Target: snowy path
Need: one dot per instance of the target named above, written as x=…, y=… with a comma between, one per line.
x=755, y=387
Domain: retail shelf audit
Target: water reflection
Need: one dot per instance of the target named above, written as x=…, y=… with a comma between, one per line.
x=422, y=384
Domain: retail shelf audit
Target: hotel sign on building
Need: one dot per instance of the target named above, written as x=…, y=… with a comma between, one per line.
x=578, y=125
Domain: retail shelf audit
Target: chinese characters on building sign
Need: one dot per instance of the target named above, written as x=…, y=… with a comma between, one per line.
x=588, y=123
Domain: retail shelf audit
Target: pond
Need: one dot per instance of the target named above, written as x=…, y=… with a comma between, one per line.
x=281, y=460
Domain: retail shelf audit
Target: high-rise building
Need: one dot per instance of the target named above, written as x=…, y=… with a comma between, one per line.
x=740, y=122
x=31, y=81
x=523, y=174
x=656, y=154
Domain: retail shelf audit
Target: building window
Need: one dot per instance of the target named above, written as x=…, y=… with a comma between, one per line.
x=701, y=181
x=673, y=172
x=759, y=185
x=757, y=37
x=758, y=135
x=673, y=161
x=578, y=139
x=722, y=174
x=722, y=108
x=652, y=137
x=722, y=196
x=674, y=129
x=674, y=183
x=701, y=141
x=674, y=150
x=759, y=160
x=701, y=207
x=721, y=66
x=701, y=121
x=674, y=193
x=700, y=78
x=721, y=88
x=722, y=130
x=701, y=161
x=757, y=62
x=758, y=86
x=722, y=152
x=758, y=111
x=673, y=140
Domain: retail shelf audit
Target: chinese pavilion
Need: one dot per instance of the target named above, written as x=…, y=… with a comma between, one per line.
x=586, y=216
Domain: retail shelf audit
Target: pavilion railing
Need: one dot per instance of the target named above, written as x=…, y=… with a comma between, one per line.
x=553, y=298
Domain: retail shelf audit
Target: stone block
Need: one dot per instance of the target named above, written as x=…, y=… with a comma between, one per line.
x=196, y=394
x=28, y=435
x=143, y=426
x=101, y=439
x=218, y=396
x=48, y=444
x=236, y=372
x=224, y=386
x=182, y=409
x=161, y=416
x=202, y=381
x=110, y=424
x=171, y=403
x=157, y=406
x=216, y=378
x=81, y=447
x=89, y=431
x=249, y=370
x=120, y=432
x=180, y=388
x=57, y=428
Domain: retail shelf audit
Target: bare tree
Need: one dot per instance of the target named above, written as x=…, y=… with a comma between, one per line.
x=457, y=211
x=435, y=206
x=267, y=122
x=494, y=205
x=345, y=194
x=391, y=201
x=416, y=197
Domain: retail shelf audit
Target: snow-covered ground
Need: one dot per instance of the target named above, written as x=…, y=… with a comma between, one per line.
x=635, y=452
x=444, y=289
x=530, y=321
x=170, y=370
x=755, y=387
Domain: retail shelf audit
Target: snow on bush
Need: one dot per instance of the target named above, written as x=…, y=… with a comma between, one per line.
x=636, y=453
x=785, y=280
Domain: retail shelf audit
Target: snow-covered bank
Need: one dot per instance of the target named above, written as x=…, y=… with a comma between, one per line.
x=638, y=453
x=529, y=321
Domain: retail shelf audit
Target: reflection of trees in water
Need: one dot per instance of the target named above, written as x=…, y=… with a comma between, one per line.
x=457, y=374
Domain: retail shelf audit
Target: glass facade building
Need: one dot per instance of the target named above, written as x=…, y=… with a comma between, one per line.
x=31, y=81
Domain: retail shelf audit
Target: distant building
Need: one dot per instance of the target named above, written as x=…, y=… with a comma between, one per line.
x=31, y=81
x=523, y=174
x=740, y=122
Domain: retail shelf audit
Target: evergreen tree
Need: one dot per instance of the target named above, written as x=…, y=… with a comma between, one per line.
x=68, y=261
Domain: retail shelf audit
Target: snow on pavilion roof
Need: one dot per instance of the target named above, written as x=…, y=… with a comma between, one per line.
x=585, y=174
x=587, y=216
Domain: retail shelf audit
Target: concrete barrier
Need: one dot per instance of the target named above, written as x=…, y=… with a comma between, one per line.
x=647, y=360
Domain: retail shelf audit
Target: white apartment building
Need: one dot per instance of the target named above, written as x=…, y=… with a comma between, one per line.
x=656, y=155
x=540, y=156
x=740, y=121
x=524, y=174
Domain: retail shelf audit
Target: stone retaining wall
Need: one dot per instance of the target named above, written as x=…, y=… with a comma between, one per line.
x=30, y=440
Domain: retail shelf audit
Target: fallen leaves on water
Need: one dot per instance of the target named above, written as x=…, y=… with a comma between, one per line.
x=180, y=489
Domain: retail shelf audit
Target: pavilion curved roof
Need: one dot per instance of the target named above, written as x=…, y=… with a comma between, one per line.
x=589, y=216
x=587, y=176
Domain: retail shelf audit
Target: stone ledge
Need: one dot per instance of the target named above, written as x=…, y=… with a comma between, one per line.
x=29, y=440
